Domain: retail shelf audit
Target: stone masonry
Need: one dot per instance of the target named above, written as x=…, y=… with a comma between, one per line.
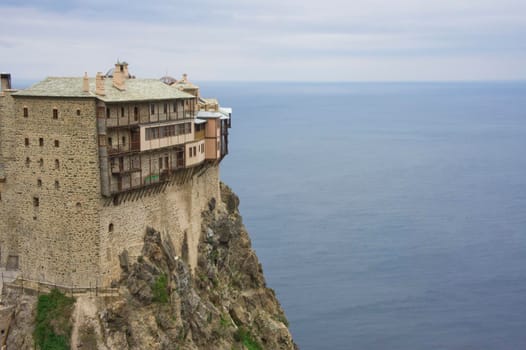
x=56, y=226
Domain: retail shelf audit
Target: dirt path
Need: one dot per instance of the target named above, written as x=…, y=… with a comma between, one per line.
x=86, y=331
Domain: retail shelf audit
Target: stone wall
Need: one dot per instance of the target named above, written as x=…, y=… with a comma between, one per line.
x=175, y=212
x=54, y=223
x=52, y=190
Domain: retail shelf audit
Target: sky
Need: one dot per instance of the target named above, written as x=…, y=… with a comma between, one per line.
x=271, y=40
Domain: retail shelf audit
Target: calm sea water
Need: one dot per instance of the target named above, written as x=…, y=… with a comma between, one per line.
x=386, y=216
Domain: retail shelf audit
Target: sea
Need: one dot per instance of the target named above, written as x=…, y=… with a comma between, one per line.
x=386, y=215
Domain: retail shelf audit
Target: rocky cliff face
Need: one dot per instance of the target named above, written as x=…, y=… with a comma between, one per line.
x=223, y=304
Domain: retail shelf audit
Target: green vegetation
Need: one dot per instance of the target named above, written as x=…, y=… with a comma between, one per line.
x=242, y=335
x=160, y=289
x=224, y=322
x=53, y=329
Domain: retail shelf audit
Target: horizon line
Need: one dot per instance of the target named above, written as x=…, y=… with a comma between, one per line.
x=29, y=82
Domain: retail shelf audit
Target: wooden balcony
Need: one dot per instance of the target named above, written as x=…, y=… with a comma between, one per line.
x=116, y=169
x=131, y=147
x=199, y=135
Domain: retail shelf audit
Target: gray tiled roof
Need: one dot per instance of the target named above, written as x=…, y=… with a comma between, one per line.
x=136, y=90
x=181, y=84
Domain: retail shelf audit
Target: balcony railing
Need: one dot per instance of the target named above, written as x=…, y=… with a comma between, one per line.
x=117, y=169
x=131, y=147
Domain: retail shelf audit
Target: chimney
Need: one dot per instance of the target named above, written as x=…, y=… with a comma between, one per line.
x=99, y=84
x=85, y=82
x=185, y=77
x=125, y=73
x=119, y=75
x=5, y=81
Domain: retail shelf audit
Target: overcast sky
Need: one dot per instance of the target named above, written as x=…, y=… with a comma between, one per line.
x=304, y=40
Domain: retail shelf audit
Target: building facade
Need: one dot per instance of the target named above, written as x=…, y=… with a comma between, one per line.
x=86, y=164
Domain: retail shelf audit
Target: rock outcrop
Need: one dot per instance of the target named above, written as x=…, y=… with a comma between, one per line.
x=223, y=304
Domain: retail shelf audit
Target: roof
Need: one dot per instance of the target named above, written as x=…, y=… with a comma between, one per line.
x=181, y=84
x=209, y=101
x=225, y=110
x=136, y=90
x=209, y=115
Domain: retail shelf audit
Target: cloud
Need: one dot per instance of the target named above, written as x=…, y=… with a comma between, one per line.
x=248, y=39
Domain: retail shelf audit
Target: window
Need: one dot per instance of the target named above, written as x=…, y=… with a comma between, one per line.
x=160, y=163
x=57, y=164
x=26, y=112
x=110, y=227
x=41, y=142
x=124, y=140
x=166, y=162
x=41, y=162
x=78, y=112
x=108, y=113
x=152, y=109
x=39, y=183
x=175, y=106
x=165, y=109
x=36, y=202
x=135, y=113
x=26, y=141
x=122, y=111
x=180, y=129
x=152, y=133
x=55, y=113
x=28, y=162
x=195, y=150
x=110, y=142
x=57, y=184
x=57, y=143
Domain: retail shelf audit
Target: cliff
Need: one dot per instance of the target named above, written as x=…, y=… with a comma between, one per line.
x=223, y=304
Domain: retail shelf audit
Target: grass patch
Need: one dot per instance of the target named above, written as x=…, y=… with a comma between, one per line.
x=242, y=335
x=160, y=289
x=53, y=328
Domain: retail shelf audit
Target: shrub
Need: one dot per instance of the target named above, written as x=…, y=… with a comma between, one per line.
x=160, y=289
x=242, y=335
x=53, y=329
